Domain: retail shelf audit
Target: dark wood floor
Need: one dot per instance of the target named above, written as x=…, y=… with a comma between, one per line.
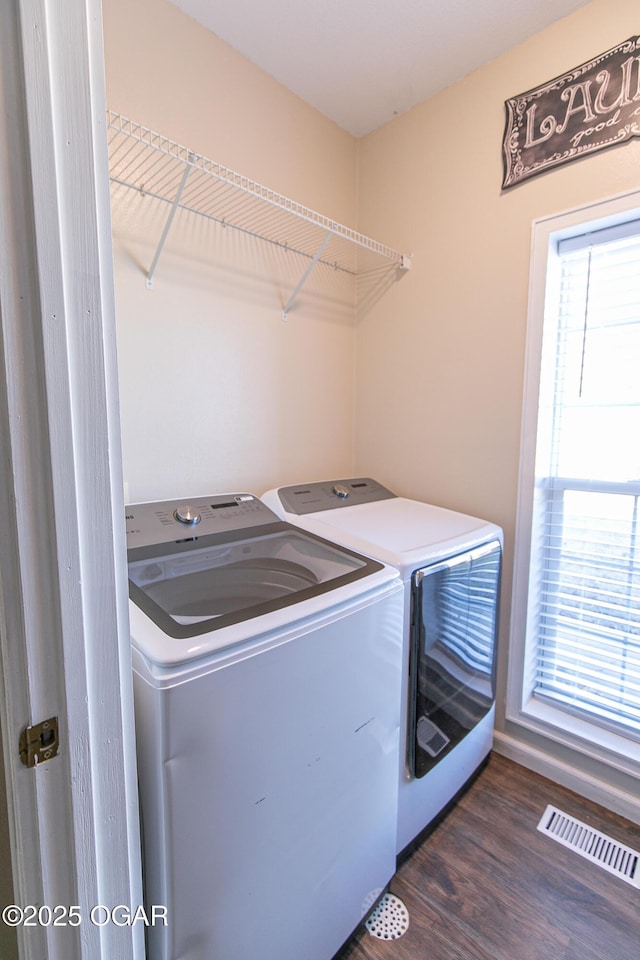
x=487, y=885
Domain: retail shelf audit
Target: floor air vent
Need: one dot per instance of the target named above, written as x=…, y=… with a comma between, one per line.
x=591, y=844
x=389, y=920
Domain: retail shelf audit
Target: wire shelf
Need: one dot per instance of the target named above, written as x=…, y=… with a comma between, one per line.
x=158, y=167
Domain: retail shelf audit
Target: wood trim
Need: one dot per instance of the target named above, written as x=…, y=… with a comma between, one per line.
x=64, y=639
x=622, y=802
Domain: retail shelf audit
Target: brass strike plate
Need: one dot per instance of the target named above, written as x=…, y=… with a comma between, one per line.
x=39, y=743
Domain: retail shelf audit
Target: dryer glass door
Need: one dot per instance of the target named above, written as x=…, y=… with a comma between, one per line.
x=455, y=620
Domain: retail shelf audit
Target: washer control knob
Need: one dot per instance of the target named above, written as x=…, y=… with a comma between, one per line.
x=340, y=491
x=187, y=514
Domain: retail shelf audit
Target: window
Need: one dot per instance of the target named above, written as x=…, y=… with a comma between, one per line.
x=577, y=576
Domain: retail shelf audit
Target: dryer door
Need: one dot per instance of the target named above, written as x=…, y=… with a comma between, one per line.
x=453, y=655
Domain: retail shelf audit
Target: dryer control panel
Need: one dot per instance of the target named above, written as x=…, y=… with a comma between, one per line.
x=331, y=495
x=170, y=520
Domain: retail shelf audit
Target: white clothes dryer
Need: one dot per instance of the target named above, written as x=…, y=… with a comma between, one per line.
x=450, y=564
x=267, y=671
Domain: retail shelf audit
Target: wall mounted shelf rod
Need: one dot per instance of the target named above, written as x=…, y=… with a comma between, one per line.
x=303, y=278
x=161, y=170
x=167, y=226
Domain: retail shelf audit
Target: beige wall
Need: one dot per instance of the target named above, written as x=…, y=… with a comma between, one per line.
x=440, y=358
x=422, y=388
x=217, y=392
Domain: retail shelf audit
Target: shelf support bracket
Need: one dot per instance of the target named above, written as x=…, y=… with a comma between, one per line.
x=167, y=226
x=303, y=278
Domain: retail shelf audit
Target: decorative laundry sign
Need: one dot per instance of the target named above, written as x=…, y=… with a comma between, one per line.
x=594, y=106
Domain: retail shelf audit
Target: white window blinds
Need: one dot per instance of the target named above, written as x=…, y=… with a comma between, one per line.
x=585, y=611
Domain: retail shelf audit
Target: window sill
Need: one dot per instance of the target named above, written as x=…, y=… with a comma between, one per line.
x=577, y=734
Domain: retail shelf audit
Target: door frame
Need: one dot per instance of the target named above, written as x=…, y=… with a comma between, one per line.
x=64, y=636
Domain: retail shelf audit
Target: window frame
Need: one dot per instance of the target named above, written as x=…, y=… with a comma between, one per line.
x=522, y=708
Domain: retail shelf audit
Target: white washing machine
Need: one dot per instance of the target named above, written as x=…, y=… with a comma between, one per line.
x=267, y=671
x=450, y=565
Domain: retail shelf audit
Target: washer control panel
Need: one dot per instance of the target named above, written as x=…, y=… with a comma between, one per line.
x=170, y=520
x=331, y=495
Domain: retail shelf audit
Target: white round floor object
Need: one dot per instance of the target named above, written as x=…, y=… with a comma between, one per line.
x=390, y=919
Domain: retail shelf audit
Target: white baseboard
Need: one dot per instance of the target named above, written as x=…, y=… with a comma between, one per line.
x=619, y=801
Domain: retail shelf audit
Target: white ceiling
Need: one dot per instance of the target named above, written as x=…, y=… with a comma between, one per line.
x=362, y=62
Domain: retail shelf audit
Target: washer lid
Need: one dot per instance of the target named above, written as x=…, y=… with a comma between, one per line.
x=201, y=584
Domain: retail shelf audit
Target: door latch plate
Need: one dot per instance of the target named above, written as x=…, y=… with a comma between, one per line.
x=39, y=742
